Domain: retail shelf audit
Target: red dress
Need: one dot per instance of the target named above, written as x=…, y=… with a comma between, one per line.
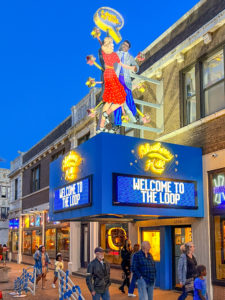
x=114, y=91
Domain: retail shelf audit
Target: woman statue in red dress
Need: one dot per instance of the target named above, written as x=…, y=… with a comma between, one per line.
x=114, y=94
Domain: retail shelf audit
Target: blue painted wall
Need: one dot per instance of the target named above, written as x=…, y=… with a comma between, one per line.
x=106, y=154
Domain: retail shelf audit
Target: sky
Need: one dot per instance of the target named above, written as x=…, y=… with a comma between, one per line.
x=43, y=49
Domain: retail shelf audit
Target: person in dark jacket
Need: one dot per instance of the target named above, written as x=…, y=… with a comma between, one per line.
x=143, y=267
x=125, y=264
x=98, y=276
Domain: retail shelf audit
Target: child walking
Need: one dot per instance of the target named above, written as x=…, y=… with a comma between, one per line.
x=200, y=289
x=58, y=266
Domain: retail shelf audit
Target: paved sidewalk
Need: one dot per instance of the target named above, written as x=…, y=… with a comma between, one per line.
x=52, y=294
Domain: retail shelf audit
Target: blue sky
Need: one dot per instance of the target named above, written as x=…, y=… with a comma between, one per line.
x=42, y=59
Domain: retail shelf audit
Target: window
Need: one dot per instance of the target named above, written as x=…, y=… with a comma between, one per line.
x=63, y=241
x=51, y=242
x=213, y=83
x=36, y=179
x=4, y=213
x=83, y=139
x=27, y=242
x=57, y=154
x=16, y=189
x=3, y=191
x=113, y=238
x=36, y=239
x=15, y=240
x=190, y=95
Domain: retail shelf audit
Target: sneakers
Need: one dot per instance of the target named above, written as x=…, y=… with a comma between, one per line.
x=53, y=285
x=106, y=116
x=114, y=128
x=131, y=295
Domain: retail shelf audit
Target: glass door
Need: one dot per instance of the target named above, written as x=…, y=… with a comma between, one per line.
x=181, y=235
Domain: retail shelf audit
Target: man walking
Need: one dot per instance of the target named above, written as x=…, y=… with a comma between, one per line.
x=98, y=276
x=143, y=267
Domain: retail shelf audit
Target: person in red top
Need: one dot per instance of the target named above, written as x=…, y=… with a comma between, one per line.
x=114, y=94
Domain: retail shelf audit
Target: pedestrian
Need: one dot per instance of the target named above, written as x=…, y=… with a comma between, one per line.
x=187, y=270
x=59, y=265
x=200, y=288
x=143, y=267
x=4, y=254
x=134, y=278
x=125, y=264
x=41, y=265
x=98, y=276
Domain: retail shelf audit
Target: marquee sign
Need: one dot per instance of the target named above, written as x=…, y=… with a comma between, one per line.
x=140, y=191
x=75, y=195
x=109, y=20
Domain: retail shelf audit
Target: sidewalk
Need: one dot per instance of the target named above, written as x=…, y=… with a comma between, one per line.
x=52, y=294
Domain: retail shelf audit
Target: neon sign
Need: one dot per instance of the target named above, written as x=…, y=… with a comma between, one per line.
x=137, y=191
x=109, y=20
x=219, y=189
x=115, y=243
x=14, y=223
x=73, y=196
x=70, y=165
x=155, y=157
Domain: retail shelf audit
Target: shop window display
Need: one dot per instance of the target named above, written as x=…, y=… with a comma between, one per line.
x=27, y=242
x=113, y=238
x=51, y=242
x=63, y=241
x=219, y=228
x=15, y=240
x=36, y=239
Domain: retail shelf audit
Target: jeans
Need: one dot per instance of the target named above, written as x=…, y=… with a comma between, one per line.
x=183, y=295
x=132, y=284
x=145, y=291
x=104, y=296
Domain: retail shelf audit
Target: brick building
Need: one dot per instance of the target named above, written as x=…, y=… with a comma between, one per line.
x=189, y=60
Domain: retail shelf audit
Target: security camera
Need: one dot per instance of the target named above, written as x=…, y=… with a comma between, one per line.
x=214, y=155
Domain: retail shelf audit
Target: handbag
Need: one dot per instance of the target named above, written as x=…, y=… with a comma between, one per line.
x=189, y=285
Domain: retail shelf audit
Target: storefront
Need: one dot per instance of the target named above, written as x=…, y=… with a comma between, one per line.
x=217, y=215
x=39, y=230
x=117, y=187
x=13, y=240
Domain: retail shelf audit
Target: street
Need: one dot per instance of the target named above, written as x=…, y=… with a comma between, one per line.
x=50, y=293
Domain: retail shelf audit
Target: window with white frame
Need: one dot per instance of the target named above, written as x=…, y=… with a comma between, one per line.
x=36, y=179
x=190, y=94
x=213, y=83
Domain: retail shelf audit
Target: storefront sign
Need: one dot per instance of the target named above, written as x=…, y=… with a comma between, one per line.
x=154, y=192
x=109, y=20
x=219, y=189
x=14, y=223
x=73, y=196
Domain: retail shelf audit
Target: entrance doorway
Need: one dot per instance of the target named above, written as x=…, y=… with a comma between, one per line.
x=181, y=235
x=85, y=245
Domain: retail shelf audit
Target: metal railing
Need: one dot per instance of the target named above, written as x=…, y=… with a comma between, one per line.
x=67, y=289
x=25, y=283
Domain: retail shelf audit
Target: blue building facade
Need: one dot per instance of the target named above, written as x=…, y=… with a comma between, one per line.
x=124, y=178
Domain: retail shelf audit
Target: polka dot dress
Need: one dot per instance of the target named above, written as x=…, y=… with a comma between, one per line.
x=114, y=91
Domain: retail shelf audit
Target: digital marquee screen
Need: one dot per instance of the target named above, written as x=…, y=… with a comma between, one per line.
x=153, y=192
x=74, y=195
x=218, y=185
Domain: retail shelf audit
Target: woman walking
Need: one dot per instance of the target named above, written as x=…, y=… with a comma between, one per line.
x=125, y=264
x=41, y=264
x=187, y=270
x=134, y=278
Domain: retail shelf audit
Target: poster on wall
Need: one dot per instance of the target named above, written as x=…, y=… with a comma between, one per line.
x=74, y=195
x=154, y=192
